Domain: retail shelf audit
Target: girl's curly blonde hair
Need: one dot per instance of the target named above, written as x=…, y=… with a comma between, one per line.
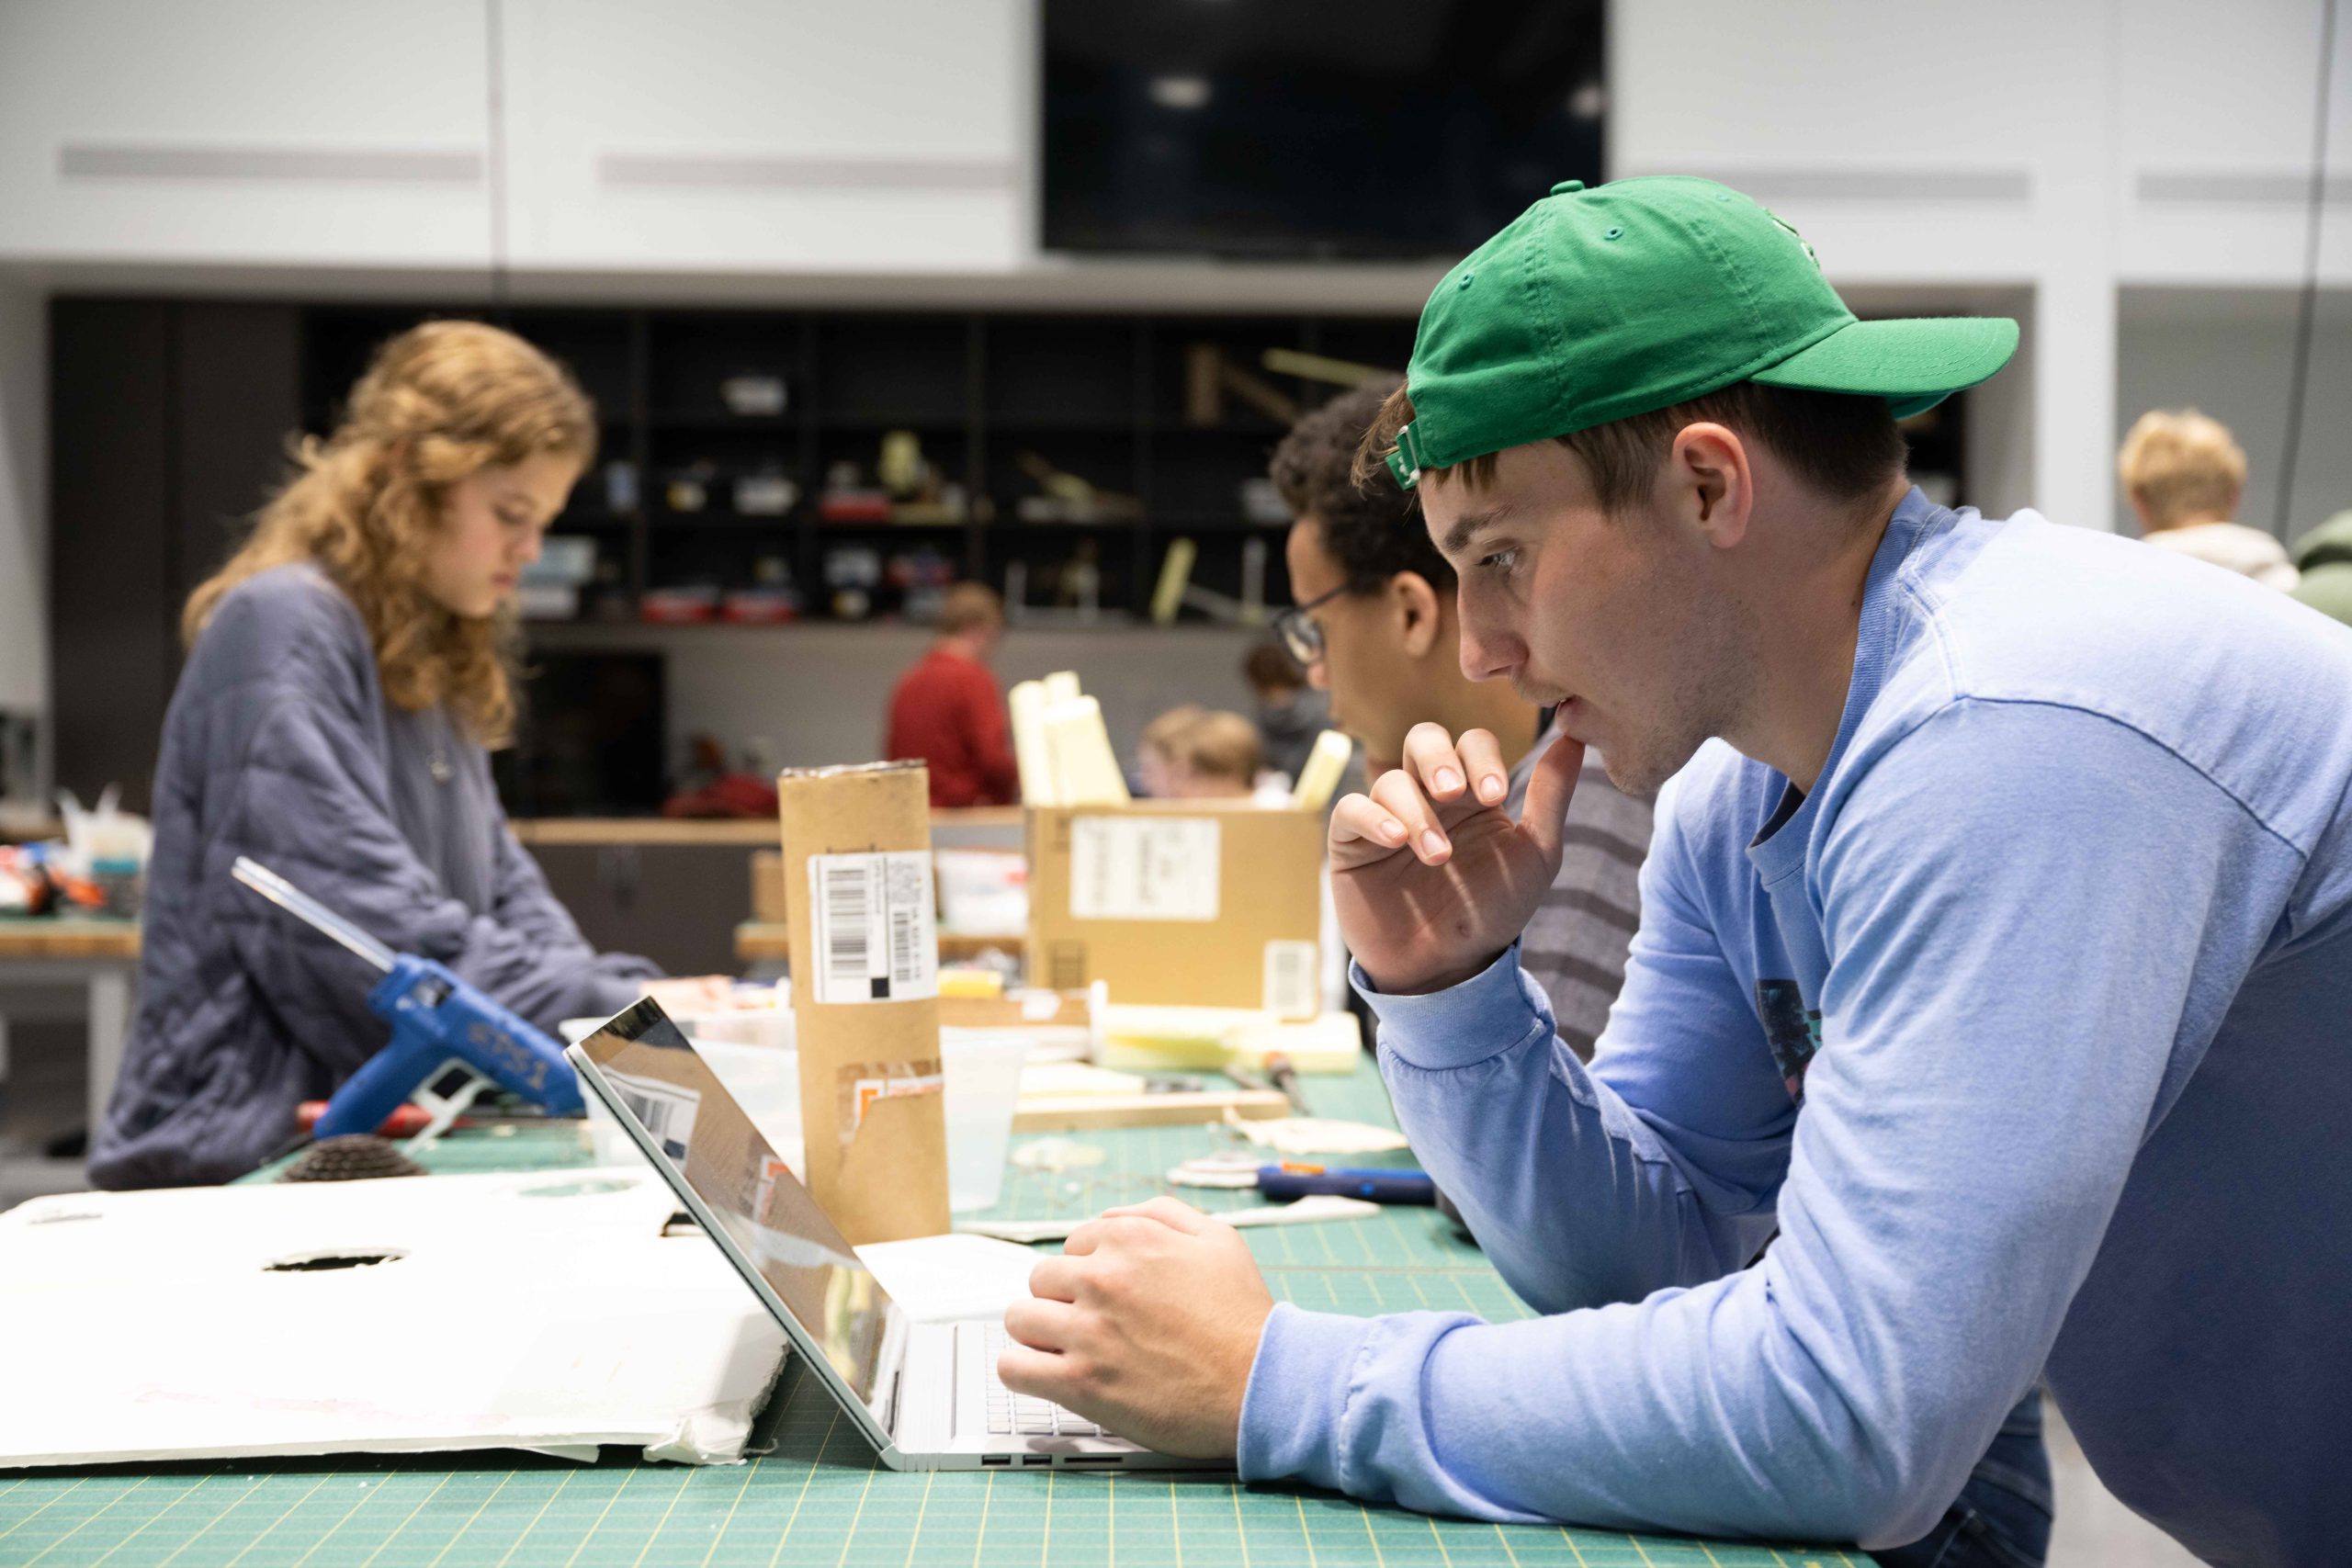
x=438, y=404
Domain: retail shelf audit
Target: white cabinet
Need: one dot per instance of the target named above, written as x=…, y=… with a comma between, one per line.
x=270, y=131
x=798, y=136
x=2214, y=134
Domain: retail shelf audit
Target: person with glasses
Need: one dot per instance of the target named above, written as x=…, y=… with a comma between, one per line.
x=1374, y=625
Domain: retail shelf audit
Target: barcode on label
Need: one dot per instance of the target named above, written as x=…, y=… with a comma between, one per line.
x=1290, y=990
x=874, y=936
x=667, y=1111
x=848, y=906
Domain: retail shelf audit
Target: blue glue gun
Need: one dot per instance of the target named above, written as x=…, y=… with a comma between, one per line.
x=437, y=1018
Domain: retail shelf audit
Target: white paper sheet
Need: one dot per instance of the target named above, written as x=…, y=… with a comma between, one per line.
x=543, y=1311
x=951, y=1278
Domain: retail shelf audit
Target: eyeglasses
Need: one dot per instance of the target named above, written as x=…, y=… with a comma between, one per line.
x=1301, y=637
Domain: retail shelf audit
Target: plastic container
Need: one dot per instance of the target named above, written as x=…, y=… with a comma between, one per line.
x=983, y=1068
x=754, y=1055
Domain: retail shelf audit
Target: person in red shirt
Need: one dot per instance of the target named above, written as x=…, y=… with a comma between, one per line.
x=947, y=713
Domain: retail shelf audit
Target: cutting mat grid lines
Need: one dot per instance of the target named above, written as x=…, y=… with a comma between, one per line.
x=818, y=1497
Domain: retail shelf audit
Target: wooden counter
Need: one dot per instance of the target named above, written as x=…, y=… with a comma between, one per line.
x=755, y=830
x=40, y=936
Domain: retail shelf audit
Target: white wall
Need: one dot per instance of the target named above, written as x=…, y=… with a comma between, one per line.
x=803, y=135
x=24, y=501
x=1980, y=154
x=273, y=130
x=2067, y=148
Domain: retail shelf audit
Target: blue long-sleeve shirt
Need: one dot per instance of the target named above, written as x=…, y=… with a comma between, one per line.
x=2029, y=1028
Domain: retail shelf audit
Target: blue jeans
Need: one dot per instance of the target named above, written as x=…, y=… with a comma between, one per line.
x=2001, y=1518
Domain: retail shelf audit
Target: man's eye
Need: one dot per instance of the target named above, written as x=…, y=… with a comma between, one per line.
x=1500, y=560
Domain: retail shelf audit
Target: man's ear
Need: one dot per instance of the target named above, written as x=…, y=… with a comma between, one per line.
x=1710, y=484
x=1418, y=612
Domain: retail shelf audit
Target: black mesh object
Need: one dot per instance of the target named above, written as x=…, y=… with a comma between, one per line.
x=356, y=1157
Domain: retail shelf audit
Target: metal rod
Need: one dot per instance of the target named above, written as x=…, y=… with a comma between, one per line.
x=292, y=899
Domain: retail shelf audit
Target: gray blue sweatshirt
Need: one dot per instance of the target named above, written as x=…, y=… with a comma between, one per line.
x=279, y=745
x=2029, y=1028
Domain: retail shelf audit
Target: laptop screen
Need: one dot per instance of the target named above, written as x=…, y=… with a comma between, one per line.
x=650, y=1066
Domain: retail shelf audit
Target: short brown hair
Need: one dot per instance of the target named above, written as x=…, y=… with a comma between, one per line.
x=968, y=606
x=2179, y=464
x=1270, y=667
x=1841, y=444
x=1369, y=529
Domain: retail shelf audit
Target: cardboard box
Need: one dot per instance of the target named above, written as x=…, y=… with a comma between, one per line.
x=769, y=905
x=1179, y=901
x=865, y=996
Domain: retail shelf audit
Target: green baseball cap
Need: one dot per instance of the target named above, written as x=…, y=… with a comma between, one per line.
x=1596, y=305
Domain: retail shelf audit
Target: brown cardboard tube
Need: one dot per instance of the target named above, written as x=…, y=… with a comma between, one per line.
x=877, y=1165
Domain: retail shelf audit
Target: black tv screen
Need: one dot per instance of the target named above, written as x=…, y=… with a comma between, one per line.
x=1313, y=128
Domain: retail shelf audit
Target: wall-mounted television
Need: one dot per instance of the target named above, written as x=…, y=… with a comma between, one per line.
x=1313, y=128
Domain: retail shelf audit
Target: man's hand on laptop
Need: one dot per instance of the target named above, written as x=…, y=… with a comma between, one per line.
x=1430, y=875
x=1149, y=1322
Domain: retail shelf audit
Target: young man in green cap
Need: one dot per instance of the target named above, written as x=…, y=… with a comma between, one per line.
x=1995, y=947
x=1373, y=624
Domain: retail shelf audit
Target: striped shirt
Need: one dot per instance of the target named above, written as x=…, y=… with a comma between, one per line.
x=1576, y=941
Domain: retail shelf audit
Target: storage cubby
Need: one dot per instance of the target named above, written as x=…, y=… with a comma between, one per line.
x=1026, y=447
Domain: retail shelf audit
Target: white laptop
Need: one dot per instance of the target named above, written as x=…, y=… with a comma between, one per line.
x=925, y=1394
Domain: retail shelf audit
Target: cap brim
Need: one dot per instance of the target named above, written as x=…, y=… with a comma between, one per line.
x=1914, y=364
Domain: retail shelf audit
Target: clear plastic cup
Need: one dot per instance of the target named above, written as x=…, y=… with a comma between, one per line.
x=756, y=1058
x=983, y=1069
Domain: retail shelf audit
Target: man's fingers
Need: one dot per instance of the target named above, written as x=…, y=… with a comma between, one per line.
x=1482, y=761
x=1549, y=789
x=1104, y=1228
x=1403, y=798
x=1169, y=1211
x=1054, y=1279
x=1039, y=1372
x=1431, y=758
x=1041, y=1325
x=1362, y=830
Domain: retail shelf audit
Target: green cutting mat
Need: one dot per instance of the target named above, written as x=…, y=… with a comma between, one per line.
x=818, y=1498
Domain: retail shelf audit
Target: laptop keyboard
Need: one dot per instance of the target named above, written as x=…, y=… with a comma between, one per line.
x=1025, y=1415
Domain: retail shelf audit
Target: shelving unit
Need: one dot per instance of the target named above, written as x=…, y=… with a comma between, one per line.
x=1098, y=396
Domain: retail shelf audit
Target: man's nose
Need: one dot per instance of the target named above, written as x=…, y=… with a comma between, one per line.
x=1487, y=653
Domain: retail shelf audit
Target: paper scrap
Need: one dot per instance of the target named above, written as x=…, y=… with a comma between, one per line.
x=1317, y=1135
x=1230, y=1168
x=951, y=1278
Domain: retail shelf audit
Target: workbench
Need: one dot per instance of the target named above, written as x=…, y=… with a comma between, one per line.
x=96, y=954
x=819, y=1496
